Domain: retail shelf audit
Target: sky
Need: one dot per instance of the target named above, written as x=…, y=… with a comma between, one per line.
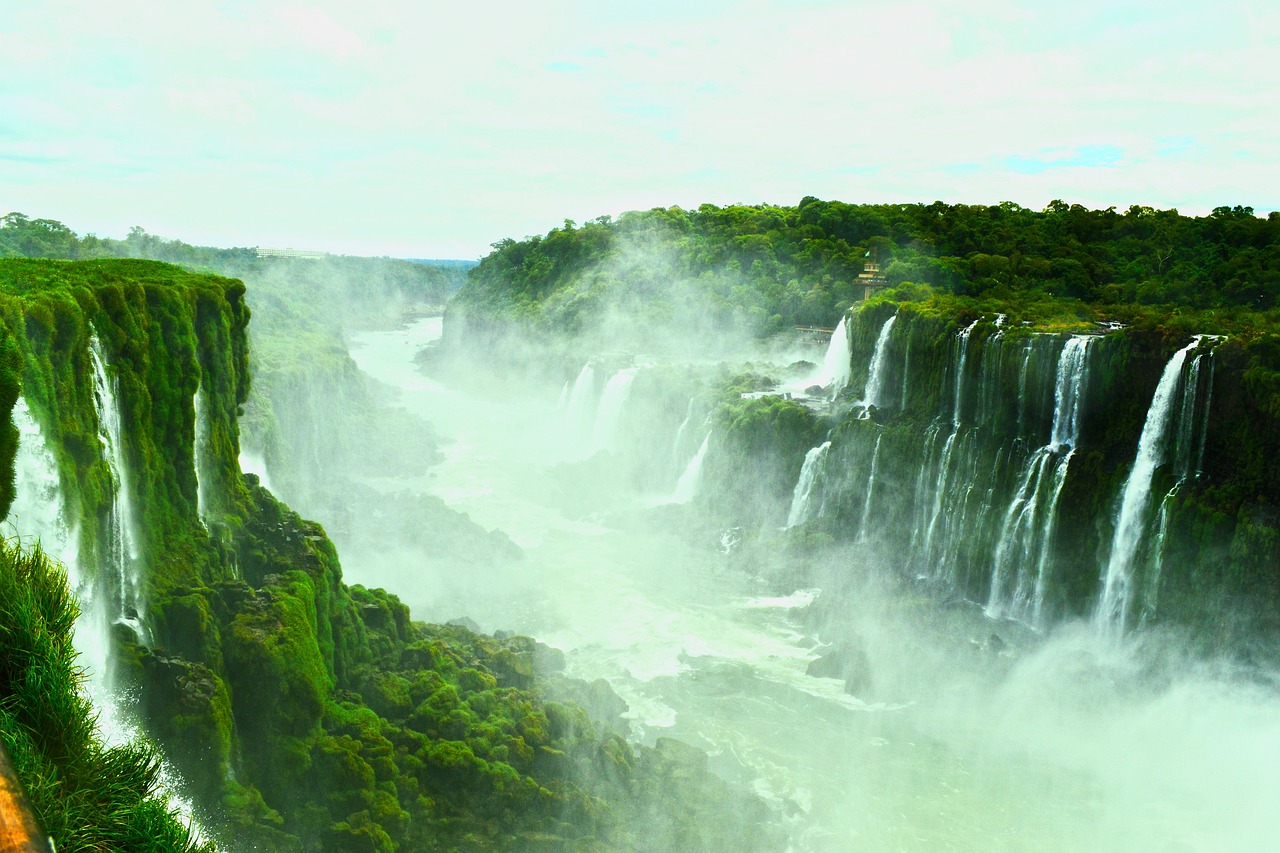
x=414, y=128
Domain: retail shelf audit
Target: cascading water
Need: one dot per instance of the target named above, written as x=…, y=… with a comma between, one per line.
x=836, y=364
x=580, y=411
x=926, y=559
x=864, y=525
x=875, y=374
x=609, y=417
x=814, y=461
x=199, y=453
x=1021, y=562
x=39, y=513
x=1188, y=458
x=1131, y=521
x=677, y=445
x=118, y=596
x=687, y=485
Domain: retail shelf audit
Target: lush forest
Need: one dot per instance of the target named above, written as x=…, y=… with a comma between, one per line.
x=764, y=268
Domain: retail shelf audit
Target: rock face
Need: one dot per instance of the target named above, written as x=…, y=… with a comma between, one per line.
x=994, y=460
x=848, y=662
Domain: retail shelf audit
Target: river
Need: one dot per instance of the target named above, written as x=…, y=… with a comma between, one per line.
x=1070, y=742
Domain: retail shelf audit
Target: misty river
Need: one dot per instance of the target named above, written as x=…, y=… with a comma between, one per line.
x=1065, y=742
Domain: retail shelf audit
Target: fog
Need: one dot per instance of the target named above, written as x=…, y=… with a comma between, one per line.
x=931, y=727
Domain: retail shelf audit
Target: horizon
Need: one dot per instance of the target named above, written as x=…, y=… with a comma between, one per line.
x=407, y=132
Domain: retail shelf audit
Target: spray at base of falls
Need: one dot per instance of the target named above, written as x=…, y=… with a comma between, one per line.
x=801, y=510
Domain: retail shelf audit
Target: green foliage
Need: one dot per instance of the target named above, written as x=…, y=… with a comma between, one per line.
x=763, y=268
x=86, y=796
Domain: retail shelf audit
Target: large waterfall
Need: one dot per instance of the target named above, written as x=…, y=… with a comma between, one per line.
x=691, y=479
x=200, y=450
x=836, y=368
x=39, y=513
x=613, y=400
x=1173, y=408
x=1022, y=556
x=875, y=376
x=801, y=508
x=872, y=710
x=118, y=594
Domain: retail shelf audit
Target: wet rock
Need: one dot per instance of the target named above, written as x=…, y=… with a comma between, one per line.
x=466, y=622
x=848, y=662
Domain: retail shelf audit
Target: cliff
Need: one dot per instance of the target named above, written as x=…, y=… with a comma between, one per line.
x=302, y=714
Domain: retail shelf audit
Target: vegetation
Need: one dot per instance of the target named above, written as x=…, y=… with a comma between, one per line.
x=87, y=796
x=765, y=268
x=303, y=714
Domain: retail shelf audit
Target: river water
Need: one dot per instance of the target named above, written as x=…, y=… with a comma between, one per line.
x=1071, y=742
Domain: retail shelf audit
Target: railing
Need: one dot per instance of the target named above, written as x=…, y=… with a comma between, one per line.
x=19, y=832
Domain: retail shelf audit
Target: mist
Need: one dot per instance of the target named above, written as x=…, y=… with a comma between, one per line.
x=568, y=497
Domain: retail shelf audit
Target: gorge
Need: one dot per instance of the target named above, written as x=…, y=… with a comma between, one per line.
x=969, y=575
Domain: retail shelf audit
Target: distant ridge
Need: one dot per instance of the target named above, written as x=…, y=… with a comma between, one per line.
x=445, y=262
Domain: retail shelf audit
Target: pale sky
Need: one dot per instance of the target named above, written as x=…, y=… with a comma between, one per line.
x=423, y=129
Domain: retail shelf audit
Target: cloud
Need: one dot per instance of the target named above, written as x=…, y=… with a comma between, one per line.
x=425, y=129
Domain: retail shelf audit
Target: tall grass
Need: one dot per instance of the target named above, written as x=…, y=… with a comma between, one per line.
x=87, y=797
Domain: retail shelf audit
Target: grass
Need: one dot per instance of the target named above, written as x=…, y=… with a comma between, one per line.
x=86, y=796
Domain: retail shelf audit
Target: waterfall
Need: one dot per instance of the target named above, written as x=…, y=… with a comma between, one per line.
x=38, y=513
x=962, y=345
x=687, y=485
x=119, y=554
x=1131, y=520
x=991, y=369
x=677, y=445
x=942, y=473
x=1023, y=553
x=609, y=416
x=255, y=462
x=875, y=374
x=199, y=453
x=809, y=471
x=1188, y=460
x=871, y=489
x=837, y=363
x=581, y=408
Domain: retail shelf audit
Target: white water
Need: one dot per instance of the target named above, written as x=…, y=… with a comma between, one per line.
x=118, y=594
x=809, y=472
x=1071, y=744
x=836, y=365
x=254, y=462
x=864, y=526
x=200, y=451
x=1021, y=561
x=613, y=401
x=1131, y=520
x=691, y=479
x=875, y=374
x=580, y=412
x=38, y=513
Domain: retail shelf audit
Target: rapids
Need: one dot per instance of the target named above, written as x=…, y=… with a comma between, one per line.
x=1069, y=740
